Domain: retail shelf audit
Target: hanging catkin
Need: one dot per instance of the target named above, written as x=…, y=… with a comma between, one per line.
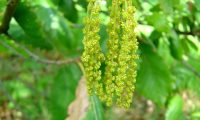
x=117, y=84
x=92, y=55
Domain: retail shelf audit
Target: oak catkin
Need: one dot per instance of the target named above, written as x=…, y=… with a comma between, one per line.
x=117, y=84
x=92, y=55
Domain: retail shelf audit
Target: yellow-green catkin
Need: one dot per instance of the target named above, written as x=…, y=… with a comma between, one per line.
x=126, y=75
x=117, y=84
x=92, y=55
x=113, y=49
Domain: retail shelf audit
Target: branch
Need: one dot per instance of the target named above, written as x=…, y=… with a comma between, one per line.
x=36, y=58
x=10, y=9
x=47, y=61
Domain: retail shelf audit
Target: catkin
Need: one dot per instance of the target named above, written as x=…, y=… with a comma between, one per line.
x=92, y=55
x=117, y=84
x=113, y=50
x=127, y=57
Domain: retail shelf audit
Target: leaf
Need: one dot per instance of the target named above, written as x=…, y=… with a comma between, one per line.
x=197, y=4
x=83, y=3
x=28, y=22
x=176, y=48
x=159, y=21
x=137, y=4
x=78, y=108
x=155, y=8
x=63, y=91
x=95, y=111
x=185, y=78
x=46, y=27
x=185, y=46
x=67, y=7
x=154, y=79
x=97, y=108
x=166, y=6
x=192, y=44
x=175, y=108
x=155, y=36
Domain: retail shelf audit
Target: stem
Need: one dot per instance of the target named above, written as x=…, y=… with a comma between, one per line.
x=10, y=9
x=35, y=57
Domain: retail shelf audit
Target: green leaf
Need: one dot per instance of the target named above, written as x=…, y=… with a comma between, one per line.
x=197, y=4
x=167, y=6
x=46, y=27
x=159, y=21
x=96, y=110
x=137, y=4
x=67, y=7
x=155, y=8
x=155, y=36
x=83, y=3
x=89, y=115
x=63, y=91
x=185, y=46
x=175, y=108
x=154, y=79
x=176, y=48
x=153, y=2
x=193, y=45
x=185, y=78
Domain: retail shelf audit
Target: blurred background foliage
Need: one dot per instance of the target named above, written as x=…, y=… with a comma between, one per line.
x=40, y=64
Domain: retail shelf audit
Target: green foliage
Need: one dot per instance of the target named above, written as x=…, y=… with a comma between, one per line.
x=44, y=21
x=64, y=92
x=154, y=79
x=175, y=108
x=67, y=7
x=36, y=84
x=95, y=111
x=159, y=21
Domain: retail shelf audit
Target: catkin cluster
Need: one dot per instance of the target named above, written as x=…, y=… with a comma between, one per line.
x=117, y=84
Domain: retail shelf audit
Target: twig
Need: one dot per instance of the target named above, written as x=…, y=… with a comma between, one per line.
x=10, y=9
x=47, y=61
x=194, y=33
x=33, y=56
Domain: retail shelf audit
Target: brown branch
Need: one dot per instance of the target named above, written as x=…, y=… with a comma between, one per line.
x=47, y=61
x=10, y=9
x=36, y=58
